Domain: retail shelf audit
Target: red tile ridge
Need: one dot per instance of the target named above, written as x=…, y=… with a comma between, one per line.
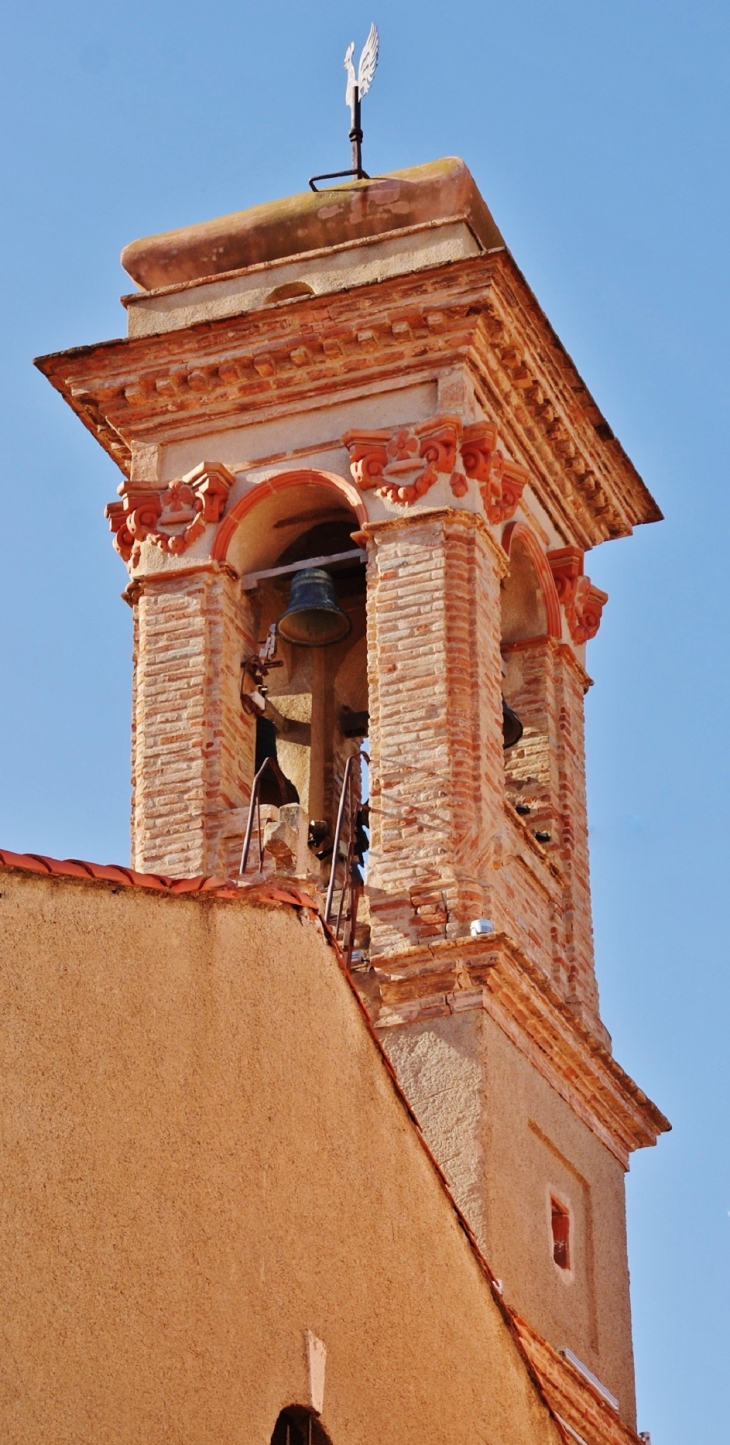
x=254, y=892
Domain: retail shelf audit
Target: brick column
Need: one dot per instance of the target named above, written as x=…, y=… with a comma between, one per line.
x=435, y=723
x=531, y=768
x=546, y=685
x=570, y=687
x=192, y=744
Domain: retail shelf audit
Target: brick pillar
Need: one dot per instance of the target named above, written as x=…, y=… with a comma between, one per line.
x=570, y=687
x=531, y=768
x=192, y=744
x=435, y=723
x=546, y=686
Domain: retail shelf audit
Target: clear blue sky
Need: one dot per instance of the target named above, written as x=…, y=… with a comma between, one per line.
x=598, y=133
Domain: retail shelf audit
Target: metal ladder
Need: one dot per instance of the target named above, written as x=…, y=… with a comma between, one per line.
x=345, y=922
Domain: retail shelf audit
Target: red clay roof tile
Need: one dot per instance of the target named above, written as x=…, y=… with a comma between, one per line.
x=255, y=892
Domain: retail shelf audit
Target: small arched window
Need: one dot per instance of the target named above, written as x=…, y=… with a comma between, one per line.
x=298, y=1426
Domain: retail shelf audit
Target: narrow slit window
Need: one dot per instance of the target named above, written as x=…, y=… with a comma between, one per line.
x=560, y=1221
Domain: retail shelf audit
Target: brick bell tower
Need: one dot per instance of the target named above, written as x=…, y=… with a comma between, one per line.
x=363, y=376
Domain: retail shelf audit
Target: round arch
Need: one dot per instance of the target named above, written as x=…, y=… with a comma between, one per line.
x=520, y=534
x=345, y=492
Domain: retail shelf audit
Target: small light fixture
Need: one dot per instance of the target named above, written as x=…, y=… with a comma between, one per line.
x=479, y=926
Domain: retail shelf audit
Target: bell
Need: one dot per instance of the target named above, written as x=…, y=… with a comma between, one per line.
x=274, y=787
x=314, y=617
x=512, y=728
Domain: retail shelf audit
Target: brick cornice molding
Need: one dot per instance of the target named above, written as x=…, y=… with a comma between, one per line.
x=552, y=410
x=478, y=311
x=572, y=1397
x=207, y=569
x=493, y=973
x=370, y=532
x=563, y=650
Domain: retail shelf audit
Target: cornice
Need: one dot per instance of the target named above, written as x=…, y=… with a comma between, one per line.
x=208, y=567
x=558, y=649
x=456, y=516
x=572, y=1397
x=478, y=312
x=492, y=973
x=552, y=407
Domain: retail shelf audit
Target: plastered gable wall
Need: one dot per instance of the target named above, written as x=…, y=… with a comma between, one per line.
x=507, y=1143
x=204, y=1157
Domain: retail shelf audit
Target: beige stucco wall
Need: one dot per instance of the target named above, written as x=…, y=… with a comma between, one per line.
x=507, y=1142
x=205, y=1157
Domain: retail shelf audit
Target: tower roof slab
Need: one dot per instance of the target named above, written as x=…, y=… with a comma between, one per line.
x=313, y=221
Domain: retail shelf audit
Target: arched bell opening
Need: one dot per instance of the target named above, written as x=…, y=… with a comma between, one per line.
x=530, y=616
x=304, y=589
x=299, y=1426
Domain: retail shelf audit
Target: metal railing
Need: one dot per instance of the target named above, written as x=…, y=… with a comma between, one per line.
x=255, y=808
x=348, y=811
x=351, y=890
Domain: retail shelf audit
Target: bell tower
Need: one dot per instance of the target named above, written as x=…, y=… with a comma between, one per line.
x=390, y=543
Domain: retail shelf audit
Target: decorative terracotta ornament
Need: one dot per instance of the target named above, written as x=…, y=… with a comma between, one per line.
x=501, y=482
x=171, y=517
x=583, y=602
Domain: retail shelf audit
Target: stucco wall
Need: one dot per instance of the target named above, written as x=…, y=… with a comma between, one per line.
x=205, y=1157
x=507, y=1143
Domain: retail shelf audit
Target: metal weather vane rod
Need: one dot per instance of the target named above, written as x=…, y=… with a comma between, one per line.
x=358, y=85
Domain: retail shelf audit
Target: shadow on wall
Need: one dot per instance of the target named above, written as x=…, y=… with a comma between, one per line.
x=297, y=1426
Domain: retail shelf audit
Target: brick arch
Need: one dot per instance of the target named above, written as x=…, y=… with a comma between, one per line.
x=520, y=532
x=280, y=482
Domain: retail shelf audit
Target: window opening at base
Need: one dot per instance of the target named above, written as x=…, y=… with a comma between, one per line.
x=560, y=1224
x=298, y=1426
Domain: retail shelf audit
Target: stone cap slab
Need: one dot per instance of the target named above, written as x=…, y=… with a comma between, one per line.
x=441, y=191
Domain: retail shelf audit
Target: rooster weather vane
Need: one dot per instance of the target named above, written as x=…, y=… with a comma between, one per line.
x=358, y=85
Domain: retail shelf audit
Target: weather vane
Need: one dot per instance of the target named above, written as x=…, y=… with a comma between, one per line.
x=357, y=86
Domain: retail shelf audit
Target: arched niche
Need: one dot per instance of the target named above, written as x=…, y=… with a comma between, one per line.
x=250, y=536
x=531, y=618
x=284, y=520
x=530, y=605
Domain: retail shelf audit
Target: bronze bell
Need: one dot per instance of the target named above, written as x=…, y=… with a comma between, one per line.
x=512, y=728
x=274, y=787
x=314, y=617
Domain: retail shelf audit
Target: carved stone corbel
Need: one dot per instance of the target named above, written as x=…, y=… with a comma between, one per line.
x=583, y=602
x=171, y=517
x=403, y=465
x=131, y=519
x=514, y=481
x=368, y=456
x=417, y=456
x=500, y=482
